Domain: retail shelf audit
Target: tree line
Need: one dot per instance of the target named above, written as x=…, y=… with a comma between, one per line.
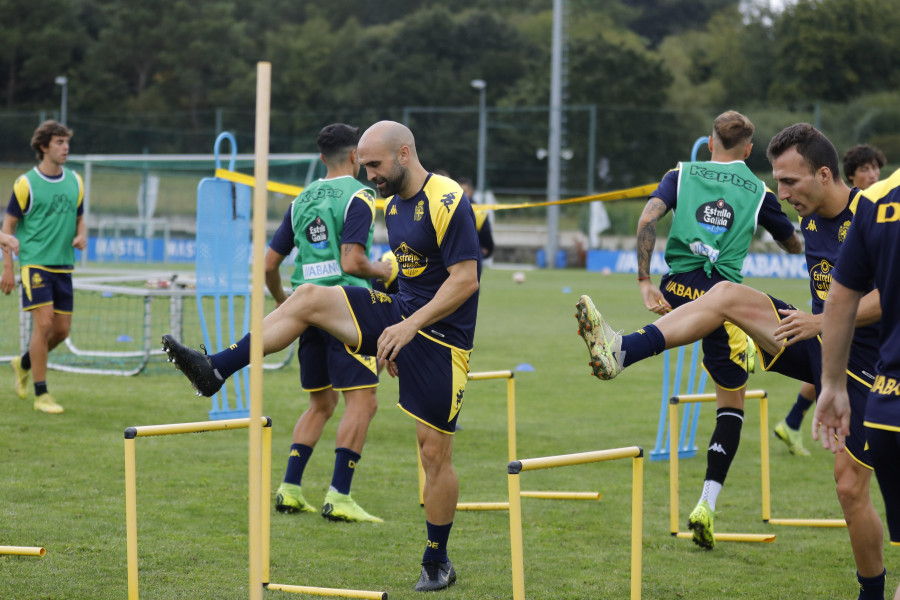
x=164, y=74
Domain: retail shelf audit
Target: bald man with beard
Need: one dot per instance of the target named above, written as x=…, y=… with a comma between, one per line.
x=423, y=333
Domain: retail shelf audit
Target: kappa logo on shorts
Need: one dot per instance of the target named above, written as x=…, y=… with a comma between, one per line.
x=379, y=297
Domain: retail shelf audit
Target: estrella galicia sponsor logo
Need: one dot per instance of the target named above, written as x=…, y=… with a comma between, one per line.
x=317, y=234
x=321, y=269
x=723, y=177
x=716, y=217
x=820, y=275
x=411, y=263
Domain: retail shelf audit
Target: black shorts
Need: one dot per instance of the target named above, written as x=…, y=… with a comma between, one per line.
x=325, y=362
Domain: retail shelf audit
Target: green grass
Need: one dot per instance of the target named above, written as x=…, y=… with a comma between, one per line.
x=63, y=481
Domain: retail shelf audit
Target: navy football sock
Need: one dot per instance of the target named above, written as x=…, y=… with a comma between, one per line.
x=297, y=460
x=436, y=547
x=26, y=361
x=642, y=344
x=795, y=417
x=40, y=387
x=232, y=359
x=871, y=588
x=345, y=461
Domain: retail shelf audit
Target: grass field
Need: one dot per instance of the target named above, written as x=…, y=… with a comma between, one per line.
x=63, y=481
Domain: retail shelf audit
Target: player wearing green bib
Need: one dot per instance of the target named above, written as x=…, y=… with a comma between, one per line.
x=45, y=214
x=716, y=207
x=330, y=224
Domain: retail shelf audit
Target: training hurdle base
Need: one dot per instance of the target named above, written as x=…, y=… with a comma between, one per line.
x=509, y=376
x=673, y=465
x=132, y=433
x=22, y=550
x=515, y=467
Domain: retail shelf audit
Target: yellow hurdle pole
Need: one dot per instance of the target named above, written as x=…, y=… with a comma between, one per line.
x=580, y=458
x=809, y=522
x=257, y=300
x=562, y=495
x=511, y=416
x=197, y=427
x=320, y=591
x=734, y=537
x=637, y=524
x=23, y=550
x=764, y=459
x=131, y=547
x=673, y=465
x=264, y=501
x=482, y=506
x=515, y=533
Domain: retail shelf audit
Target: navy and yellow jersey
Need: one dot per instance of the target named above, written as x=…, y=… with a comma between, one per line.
x=485, y=233
x=429, y=232
x=871, y=253
x=357, y=223
x=770, y=216
x=824, y=239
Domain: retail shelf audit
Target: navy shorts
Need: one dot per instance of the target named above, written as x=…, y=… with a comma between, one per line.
x=432, y=374
x=725, y=349
x=43, y=286
x=803, y=361
x=325, y=362
x=884, y=447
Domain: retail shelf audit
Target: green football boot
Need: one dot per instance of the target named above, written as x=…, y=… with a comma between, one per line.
x=21, y=377
x=701, y=523
x=341, y=507
x=792, y=438
x=289, y=499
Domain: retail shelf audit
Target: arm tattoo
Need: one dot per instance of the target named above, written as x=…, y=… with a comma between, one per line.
x=646, y=235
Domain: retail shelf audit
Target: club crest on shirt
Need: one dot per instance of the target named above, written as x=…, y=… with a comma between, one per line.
x=820, y=275
x=317, y=233
x=842, y=231
x=420, y=211
x=411, y=263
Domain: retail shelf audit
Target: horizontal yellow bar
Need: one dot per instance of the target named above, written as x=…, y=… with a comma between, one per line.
x=490, y=375
x=23, y=550
x=198, y=427
x=321, y=591
x=809, y=522
x=685, y=398
x=272, y=186
x=581, y=458
x=562, y=495
x=766, y=538
x=482, y=506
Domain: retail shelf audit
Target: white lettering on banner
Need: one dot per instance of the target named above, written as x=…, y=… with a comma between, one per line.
x=181, y=249
x=122, y=247
x=782, y=266
x=322, y=269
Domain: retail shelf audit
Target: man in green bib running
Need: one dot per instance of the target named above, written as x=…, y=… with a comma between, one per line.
x=716, y=207
x=45, y=214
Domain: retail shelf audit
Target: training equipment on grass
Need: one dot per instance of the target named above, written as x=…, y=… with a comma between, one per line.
x=696, y=381
x=22, y=550
x=673, y=465
x=511, y=445
x=515, y=467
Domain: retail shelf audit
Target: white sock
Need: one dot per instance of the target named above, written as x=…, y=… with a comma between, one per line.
x=710, y=493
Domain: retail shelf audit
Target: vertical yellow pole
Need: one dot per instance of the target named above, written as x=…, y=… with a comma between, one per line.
x=637, y=524
x=421, y=476
x=264, y=500
x=515, y=536
x=673, y=468
x=261, y=173
x=511, y=415
x=131, y=516
x=764, y=450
